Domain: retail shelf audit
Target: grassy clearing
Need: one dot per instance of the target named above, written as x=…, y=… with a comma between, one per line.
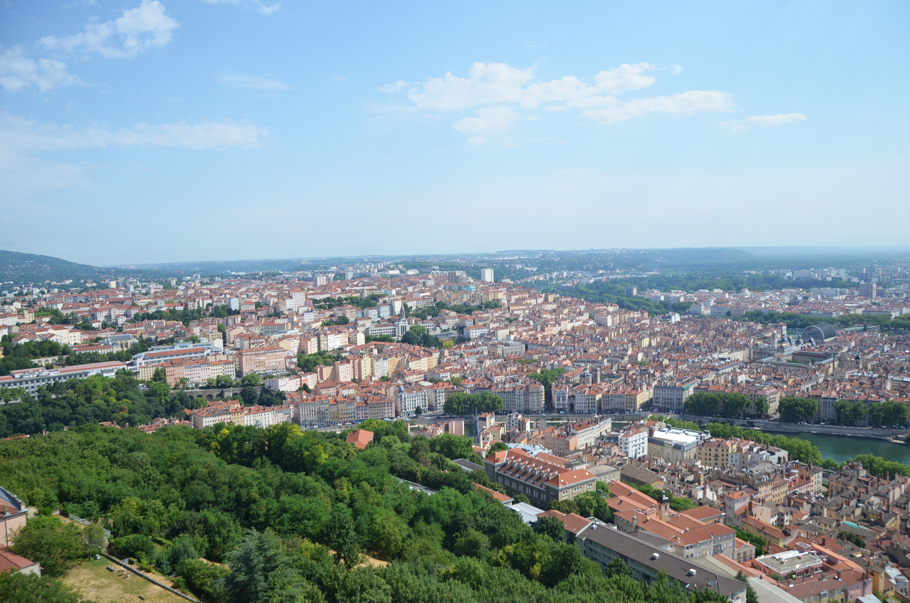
x=93, y=581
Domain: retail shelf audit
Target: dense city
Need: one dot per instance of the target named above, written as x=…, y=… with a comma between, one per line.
x=662, y=445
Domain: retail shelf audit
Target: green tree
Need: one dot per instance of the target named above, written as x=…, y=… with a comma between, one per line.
x=552, y=527
x=55, y=545
x=566, y=561
x=852, y=538
x=94, y=537
x=796, y=410
x=251, y=379
x=452, y=447
x=418, y=335
x=681, y=503
x=617, y=568
x=843, y=411
x=364, y=585
x=461, y=403
x=564, y=506
x=761, y=545
x=497, y=447
x=341, y=536
x=592, y=504
x=260, y=570
x=21, y=588
x=223, y=381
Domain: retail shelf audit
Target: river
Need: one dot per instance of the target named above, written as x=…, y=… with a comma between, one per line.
x=843, y=448
x=839, y=448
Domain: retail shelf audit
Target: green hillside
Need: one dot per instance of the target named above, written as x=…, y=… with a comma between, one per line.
x=27, y=268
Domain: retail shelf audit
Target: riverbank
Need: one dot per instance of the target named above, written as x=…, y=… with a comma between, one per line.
x=872, y=433
x=869, y=433
x=843, y=448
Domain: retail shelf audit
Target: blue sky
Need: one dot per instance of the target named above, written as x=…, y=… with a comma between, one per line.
x=141, y=131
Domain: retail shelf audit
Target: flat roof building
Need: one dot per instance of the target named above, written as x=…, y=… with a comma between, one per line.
x=646, y=561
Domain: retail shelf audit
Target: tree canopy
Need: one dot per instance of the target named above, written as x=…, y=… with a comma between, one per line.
x=461, y=403
x=796, y=410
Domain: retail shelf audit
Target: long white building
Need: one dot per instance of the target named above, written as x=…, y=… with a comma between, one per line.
x=31, y=379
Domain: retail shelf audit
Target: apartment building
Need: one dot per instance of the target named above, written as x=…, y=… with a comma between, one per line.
x=541, y=477
x=716, y=453
x=262, y=361
x=671, y=397
x=633, y=443
x=409, y=399
x=523, y=397
x=229, y=412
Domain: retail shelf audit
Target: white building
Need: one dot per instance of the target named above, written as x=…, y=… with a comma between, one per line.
x=633, y=443
x=408, y=400
x=486, y=275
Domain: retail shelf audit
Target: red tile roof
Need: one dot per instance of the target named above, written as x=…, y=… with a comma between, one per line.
x=360, y=438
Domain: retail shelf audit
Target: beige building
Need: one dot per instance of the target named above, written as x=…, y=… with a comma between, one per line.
x=268, y=360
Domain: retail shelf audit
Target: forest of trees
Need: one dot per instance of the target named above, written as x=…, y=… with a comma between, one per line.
x=290, y=514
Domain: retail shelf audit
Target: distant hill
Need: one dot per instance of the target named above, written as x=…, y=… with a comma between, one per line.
x=27, y=268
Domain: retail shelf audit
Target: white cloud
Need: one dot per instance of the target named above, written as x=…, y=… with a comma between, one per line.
x=17, y=71
x=397, y=87
x=138, y=29
x=339, y=78
x=625, y=77
x=262, y=9
x=476, y=140
x=23, y=141
x=685, y=103
x=493, y=83
x=25, y=135
x=488, y=119
x=251, y=82
x=498, y=91
x=739, y=126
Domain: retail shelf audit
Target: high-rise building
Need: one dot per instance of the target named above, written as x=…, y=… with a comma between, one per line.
x=298, y=299
x=867, y=290
x=486, y=275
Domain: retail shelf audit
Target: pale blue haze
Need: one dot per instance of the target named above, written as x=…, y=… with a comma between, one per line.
x=236, y=130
